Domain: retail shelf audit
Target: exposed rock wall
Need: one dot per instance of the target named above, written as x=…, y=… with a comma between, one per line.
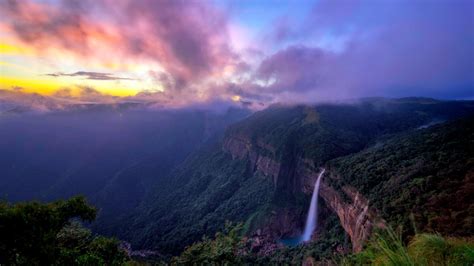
x=356, y=216
x=242, y=148
x=287, y=174
x=283, y=223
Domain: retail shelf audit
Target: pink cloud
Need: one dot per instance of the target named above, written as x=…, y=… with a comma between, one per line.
x=188, y=39
x=398, y=48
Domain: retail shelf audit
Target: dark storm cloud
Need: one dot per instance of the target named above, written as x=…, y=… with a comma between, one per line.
x=89, y=75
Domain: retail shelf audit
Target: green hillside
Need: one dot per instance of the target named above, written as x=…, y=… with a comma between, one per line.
x=411, y=158
x=420, y=180
x=211, y=187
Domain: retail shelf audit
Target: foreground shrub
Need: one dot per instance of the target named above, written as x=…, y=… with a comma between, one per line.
x=222, y=250
x=34, y=233
x=387, y=248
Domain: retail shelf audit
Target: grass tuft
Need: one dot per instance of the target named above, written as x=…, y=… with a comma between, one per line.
x=387, y=248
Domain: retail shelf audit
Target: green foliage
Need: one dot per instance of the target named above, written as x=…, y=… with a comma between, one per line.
x=331, y=237
x=405, y=174
x=231, y=248
x=211, y=186
x=33, y=233
x=327, y=131
x=431, y=249
x=107, y=250
x=387, y=248
x=29, y=229
x=222, y=250
x=420, y=179
x=210, y=189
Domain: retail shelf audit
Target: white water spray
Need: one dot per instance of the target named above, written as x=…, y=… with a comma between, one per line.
x=312, y=219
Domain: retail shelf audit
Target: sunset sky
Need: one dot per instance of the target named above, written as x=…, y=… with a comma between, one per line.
x=252, y=52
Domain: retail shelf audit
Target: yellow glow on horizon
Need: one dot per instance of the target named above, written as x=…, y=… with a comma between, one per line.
x=13, y=49
x=30, y=85
x=48, y=87
x=23, y=65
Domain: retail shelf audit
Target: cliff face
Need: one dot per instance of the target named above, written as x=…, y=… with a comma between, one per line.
x=290, y=174
x=356, y=216
x=277, y=155
x=242, y=148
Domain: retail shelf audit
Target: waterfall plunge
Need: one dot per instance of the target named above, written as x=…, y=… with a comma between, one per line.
x=312, y=219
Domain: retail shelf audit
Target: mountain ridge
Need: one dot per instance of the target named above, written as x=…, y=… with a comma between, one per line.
x=282, y=145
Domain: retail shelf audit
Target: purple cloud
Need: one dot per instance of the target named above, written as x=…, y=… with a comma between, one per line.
x=188, y=39
x=389, y=49
x=342, y=49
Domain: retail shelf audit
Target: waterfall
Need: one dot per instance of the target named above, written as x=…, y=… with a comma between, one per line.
x=312, y=219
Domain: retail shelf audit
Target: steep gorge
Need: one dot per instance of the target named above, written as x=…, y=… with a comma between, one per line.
x=263, y=171
x=355, y=215
x=404, y=179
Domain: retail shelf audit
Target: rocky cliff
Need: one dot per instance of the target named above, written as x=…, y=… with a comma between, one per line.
x=356, y=216
x=287, y=145
x=264, y=171
x=243, y=148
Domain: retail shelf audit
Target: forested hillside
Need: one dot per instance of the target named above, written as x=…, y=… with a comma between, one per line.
x=258, y=174
x=167, y=179
x=111, y=154
x=421, y=180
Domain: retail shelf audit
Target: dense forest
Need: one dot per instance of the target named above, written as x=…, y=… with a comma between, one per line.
x=212, y=186
x=421, y=183
x=235, y=195
x=385, y=248
x=422, y=179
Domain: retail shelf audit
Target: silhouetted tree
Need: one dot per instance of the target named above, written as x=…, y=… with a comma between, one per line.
x=33, y=233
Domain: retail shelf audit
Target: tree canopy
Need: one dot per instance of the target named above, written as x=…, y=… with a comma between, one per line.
x=34, y=233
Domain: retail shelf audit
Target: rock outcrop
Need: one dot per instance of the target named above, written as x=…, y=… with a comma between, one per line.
x=356, y=216
x=290, y=175
x=243, y=148
x=285, y=222
x=298, y=176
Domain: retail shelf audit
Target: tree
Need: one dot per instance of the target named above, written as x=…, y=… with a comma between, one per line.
x=34, y=233
x=223, y=249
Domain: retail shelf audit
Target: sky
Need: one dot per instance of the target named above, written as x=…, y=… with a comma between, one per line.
x=253, y=53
